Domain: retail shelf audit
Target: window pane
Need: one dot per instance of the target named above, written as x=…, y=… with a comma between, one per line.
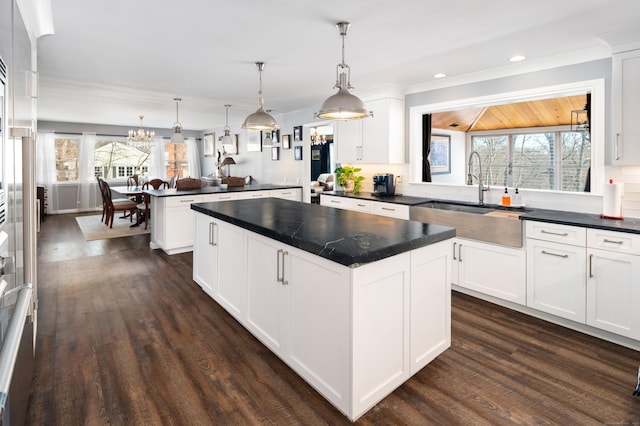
x=493, y=152
x=176, y=160
x=118, y=160
x=576, y=160
x=67, y=159
x=533, y=161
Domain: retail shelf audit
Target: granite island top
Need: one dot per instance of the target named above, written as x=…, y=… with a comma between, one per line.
x=343, y=236
x=586, y=220
x=217, y=190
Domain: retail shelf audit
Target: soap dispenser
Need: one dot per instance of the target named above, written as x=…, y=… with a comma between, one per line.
x=517, y=199
x=506, y=198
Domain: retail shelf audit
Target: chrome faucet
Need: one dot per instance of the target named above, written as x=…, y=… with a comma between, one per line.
x=470, y=176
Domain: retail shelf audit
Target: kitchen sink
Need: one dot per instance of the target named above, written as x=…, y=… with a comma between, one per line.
x=490, y=223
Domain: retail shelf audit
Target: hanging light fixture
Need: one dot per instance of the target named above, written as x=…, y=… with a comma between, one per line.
x=343, y=105
x=227, y=139
x=260, y=120
x=177, y=136
x=140, y=139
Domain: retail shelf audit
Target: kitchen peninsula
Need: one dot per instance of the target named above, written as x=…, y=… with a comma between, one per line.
x=354, y=303
x=172, y=228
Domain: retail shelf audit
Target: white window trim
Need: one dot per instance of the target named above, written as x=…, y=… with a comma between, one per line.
x=595, y=87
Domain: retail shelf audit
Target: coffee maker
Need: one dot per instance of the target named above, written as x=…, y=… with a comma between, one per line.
x=383, y=185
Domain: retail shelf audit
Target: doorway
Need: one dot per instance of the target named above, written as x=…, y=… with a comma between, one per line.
x=321, y=151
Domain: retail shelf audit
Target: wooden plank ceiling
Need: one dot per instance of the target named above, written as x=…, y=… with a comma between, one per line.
x=539, y=113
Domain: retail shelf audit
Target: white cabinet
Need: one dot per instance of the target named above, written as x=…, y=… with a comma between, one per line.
x=626, y=108
x=556, y=271
x=294, y=194
x=613, y=286
x=298, y=306
x=378, y=139
x=398, y=211
x=490, y=269
x=172, y=223
x=217, y=271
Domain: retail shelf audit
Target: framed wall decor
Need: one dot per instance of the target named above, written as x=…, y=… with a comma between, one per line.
x=254, y=141
x=232, y=148
x=266, y=139
x=286, y=141
x=297, y=134
x=209, y=145
x=297, y=152
x=275, y=153
x=440, y=154
x=275, y=136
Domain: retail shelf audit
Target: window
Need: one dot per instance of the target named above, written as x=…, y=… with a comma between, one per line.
x=557, y=160
x=67, y=159
x=176, y=160
x=114, y=159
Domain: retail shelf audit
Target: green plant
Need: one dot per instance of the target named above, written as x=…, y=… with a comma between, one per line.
x=345, y=174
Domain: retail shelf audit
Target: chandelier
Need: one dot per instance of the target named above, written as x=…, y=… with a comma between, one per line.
x=140, y=139
x=317, y=138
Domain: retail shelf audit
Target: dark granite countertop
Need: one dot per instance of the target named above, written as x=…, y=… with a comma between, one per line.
x=395, y=199
x=217, y=190
x=346, y=237
x=630, y=225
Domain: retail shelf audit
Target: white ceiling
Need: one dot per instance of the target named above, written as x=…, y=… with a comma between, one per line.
x=110, y=61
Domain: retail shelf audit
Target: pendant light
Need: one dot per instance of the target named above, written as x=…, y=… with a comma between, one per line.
x=260, y=120
x=177, y=136
x=227, y=139
x=343, y=105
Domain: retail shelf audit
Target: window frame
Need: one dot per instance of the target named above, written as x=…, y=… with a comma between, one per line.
x=597, y=124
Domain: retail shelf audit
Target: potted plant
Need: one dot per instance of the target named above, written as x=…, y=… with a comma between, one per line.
x=347, y=178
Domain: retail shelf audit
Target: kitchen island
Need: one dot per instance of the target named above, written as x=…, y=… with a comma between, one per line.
x=354, y=303
x=172, y=221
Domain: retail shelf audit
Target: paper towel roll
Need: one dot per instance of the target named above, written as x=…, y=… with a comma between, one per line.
x=612, y=200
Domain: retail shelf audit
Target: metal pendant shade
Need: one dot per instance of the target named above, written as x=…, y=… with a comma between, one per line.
x=260, y=120
x=343, y=105
x=227, y=139
x=177, y=136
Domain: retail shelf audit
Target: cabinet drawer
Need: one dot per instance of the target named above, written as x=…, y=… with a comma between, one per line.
x=558, y=233
x=362, y=206
x=337, y=202
x=184, y=200
x=392, y=210
x=614, y=241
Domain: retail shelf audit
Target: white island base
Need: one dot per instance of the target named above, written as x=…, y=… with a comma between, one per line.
x=353, y=333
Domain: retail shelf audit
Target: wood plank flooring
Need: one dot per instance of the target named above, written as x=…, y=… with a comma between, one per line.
x=125, y=337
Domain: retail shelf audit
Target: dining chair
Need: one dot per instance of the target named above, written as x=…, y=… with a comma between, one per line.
x=133, y=180
x=144, y=209
x=116, y=206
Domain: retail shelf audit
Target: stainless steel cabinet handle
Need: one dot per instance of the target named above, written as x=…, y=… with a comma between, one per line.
x=460, y=253
x=280, y=267
x=360, y=205
x=335, y=201
x=555, y=254
x=613, y=242
x=617, y=148
x=560, y=234
x=186, y=201
x=454, y=251
x=389, y=209
x=212, y=233
x=590, y=266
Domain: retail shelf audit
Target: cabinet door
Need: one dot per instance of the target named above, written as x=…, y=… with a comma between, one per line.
x=231, y=267
x=613, y=292
x=265, y=308
x=318, y=297
x=383, y=134
x=626, y=108
x=205, y=257
x=179, y=226
x=348, y=140
x=430, y=303
x=556, y=279
x=491, y=269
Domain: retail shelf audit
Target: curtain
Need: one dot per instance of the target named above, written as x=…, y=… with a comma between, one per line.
x=194, y=157
x=156, y=168
x=46, y=168
x=87, y=184
x=426, y=147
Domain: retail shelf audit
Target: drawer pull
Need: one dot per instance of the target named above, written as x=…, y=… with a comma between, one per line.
x=555, y=254
x=454, y=251
x=361, y=205
x=186, y=201
x=560, y=234
x=389, y=209
x=335, y=201
x=590, y=266
x=613, y=242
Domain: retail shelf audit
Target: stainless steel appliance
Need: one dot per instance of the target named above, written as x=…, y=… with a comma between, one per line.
x=383, y=185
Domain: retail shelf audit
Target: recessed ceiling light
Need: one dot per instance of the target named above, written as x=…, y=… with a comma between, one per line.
x=517, y=58
x=439, y=75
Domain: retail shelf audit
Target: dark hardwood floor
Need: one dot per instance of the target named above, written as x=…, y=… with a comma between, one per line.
x=126, y=337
